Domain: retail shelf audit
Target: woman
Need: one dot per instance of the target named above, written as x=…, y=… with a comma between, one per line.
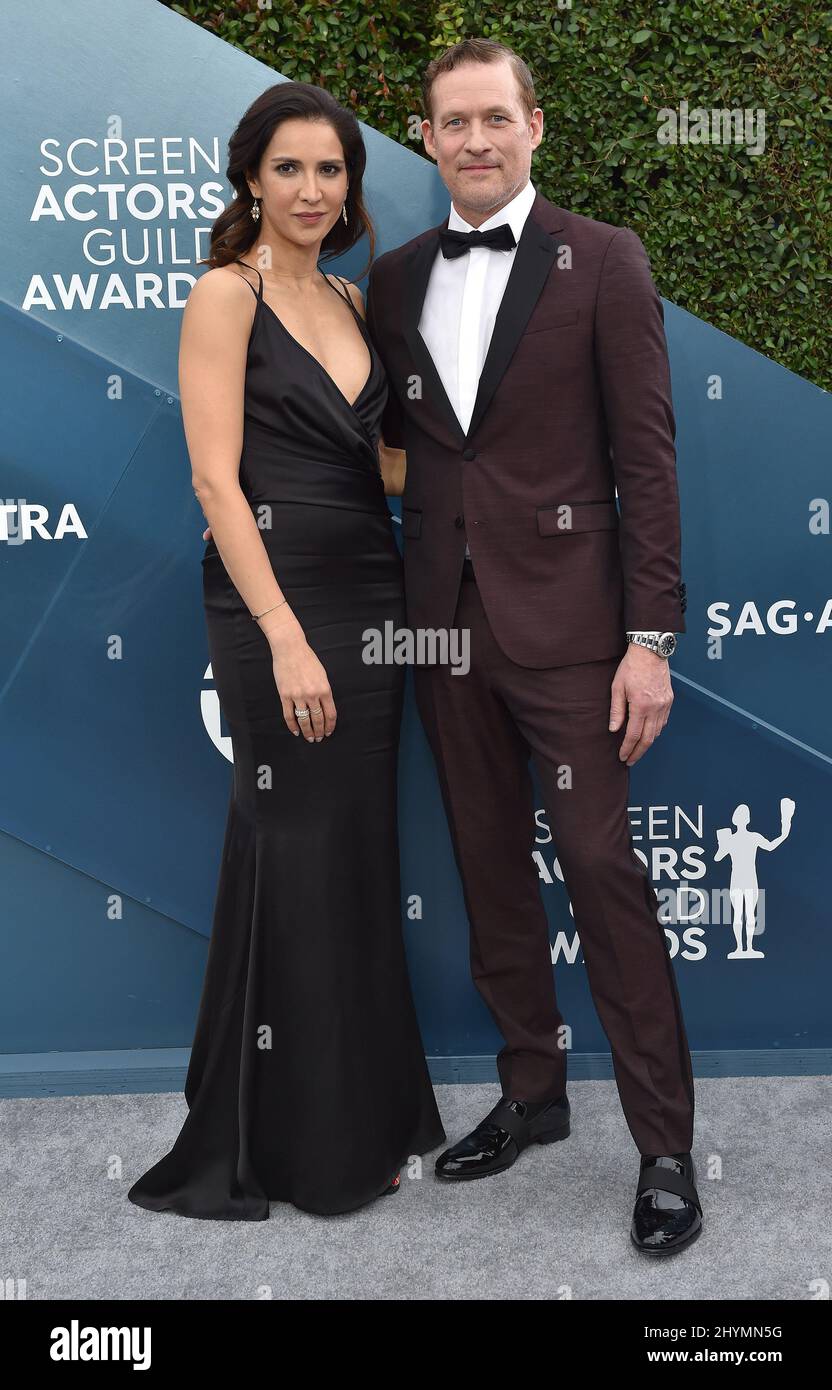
x=307, y=1081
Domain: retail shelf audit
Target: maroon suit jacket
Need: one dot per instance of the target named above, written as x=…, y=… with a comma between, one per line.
x=574, y=401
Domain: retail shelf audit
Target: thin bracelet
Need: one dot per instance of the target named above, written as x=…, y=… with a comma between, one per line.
x=257, y=616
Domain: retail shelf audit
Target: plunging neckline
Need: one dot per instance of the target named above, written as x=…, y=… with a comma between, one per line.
x=351, y=405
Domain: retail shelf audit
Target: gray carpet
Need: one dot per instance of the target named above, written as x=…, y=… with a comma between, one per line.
x=556, y=1225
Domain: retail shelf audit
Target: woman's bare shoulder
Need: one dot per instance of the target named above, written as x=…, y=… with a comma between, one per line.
x=221, y=291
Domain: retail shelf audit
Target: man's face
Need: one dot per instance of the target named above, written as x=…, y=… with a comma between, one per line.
x=480, y=137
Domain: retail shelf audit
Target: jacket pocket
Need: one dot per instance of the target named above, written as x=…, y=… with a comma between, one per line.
x=411, y=521
x=569, y=518
x=558, y=321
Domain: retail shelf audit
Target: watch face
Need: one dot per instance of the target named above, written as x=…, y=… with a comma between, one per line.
x=667, y=644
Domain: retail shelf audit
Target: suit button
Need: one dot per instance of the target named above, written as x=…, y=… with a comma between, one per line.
x=469, y=453
x=459, y=522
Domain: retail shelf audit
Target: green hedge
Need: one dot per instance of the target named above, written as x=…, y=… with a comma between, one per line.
x=742, y=241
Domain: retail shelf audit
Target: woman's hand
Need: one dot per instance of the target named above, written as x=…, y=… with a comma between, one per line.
x=393, y=468
x=302, y=683
x=298, y=674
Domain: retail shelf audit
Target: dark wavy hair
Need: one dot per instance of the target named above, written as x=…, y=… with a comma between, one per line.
x=234, y=230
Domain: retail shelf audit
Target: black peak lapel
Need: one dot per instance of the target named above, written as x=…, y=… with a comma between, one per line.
x=533, y=260
x=417, y=272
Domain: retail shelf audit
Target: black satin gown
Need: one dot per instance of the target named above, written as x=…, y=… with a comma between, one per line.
x=307, y=1080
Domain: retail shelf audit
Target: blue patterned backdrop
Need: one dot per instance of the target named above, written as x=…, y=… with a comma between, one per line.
x=115, y=771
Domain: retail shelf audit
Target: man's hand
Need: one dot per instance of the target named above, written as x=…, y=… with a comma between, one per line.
x=642, y=681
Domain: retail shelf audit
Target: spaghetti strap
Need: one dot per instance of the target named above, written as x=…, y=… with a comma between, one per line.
x=257, y=292
x=345, y=295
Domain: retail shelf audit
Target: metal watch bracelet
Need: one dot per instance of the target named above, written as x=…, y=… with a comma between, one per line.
x=662, y=643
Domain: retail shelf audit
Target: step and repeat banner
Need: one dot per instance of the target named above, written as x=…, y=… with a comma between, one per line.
x=116, y=766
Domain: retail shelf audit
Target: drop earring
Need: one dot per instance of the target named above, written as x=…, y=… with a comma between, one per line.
x=255, y=211
x=344, y=213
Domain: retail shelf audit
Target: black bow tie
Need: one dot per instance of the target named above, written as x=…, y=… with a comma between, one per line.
x=455, y=243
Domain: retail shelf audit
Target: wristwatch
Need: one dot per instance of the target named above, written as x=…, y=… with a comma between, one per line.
x=662, y=643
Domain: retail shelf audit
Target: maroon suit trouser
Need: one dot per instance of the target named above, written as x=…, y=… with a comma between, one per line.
x=483, y=727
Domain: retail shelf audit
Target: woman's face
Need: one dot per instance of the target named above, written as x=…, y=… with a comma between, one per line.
x=302, y=181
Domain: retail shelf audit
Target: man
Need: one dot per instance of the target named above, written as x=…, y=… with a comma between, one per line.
x=528, y=382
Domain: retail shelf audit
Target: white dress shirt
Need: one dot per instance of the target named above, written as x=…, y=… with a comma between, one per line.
x=461, y=302
x=462, y=299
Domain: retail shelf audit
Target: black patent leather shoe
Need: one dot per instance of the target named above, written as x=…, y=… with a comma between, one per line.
x=667, y=1212
x=501, y=1137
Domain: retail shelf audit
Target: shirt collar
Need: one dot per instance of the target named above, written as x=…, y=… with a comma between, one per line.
x=514, y=213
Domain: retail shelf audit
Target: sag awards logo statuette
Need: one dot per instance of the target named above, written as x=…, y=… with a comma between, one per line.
x=740, y=846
